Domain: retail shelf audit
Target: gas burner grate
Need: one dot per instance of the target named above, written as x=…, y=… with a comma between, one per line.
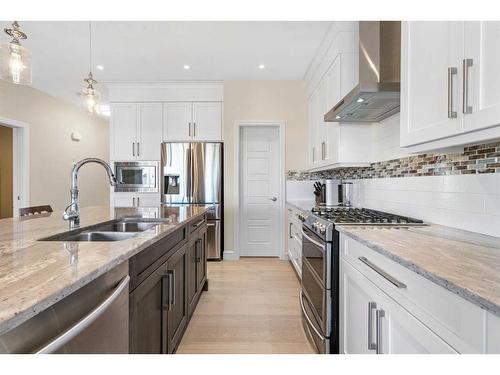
x=350, y=215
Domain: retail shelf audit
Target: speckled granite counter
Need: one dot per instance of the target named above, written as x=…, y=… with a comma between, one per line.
x=303, y=205
x=466, y=263
x=34, y=274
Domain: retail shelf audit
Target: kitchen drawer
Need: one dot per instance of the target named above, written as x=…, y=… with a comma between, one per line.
x=460, y=323
x=143, y=264
x=492, y=333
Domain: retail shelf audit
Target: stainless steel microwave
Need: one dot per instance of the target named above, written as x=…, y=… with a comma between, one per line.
x=136, y=176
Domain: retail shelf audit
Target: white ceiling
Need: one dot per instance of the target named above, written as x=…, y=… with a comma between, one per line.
x=157, y=51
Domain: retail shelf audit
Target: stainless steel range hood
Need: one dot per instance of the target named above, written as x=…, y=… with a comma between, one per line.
x=376, y=97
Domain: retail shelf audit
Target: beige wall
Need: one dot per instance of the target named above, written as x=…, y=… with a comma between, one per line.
x=262, y=100
x=5, y=172
x=51, y=149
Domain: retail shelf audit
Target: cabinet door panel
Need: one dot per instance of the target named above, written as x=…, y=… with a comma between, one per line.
x=192, y=285
x=148, y=200
x=355, y=295
x=124, y=131
x=123, y=200
x=482, y=41
x=150, y=130
x=207, y=121
x=201, y=269
x=147, y=328
x=177, y=315
x=334, y=95
x=428, y=50
x=177, y=119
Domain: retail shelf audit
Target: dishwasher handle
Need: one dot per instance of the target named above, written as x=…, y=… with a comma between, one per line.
x=86, y=321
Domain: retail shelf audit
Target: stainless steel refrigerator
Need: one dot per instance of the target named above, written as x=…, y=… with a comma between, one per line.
x=192, y=174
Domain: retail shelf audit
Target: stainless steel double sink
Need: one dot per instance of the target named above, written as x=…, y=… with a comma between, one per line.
x=115, y=230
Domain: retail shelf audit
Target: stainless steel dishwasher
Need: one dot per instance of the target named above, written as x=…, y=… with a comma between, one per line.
x=92, y=320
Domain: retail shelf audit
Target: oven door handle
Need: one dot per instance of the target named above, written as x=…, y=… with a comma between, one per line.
x=309, y=322
x=312, y=240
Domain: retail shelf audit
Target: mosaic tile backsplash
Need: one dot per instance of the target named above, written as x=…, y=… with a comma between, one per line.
x=483, y=158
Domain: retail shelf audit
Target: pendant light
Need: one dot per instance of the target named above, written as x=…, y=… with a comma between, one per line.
x=89, y=94
x=15, y=60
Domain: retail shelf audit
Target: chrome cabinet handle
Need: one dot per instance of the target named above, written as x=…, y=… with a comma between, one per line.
x=189, y=129
x=290, y=231
x=194, y=129
x=82, y=324
x=138, y=202
x=198, y=251
x=382, y=273
x=133, y=201
x=138, y=149
x=274, y=199
x=310, y=323
x=466, y=108
x=380, y=314
x=451, y=72
x=313, y=241
x=168, y=290
x=371, y=345
x=323, y=150
x=133, y=148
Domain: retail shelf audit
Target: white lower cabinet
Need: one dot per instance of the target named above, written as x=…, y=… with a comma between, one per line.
x=294, y=239
x=409, y=313
x=135, y=200
x=372, y=322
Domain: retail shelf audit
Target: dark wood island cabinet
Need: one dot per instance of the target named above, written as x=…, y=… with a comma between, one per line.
x=166, y=283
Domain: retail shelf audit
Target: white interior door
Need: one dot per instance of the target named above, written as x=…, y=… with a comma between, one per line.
x=260, y=191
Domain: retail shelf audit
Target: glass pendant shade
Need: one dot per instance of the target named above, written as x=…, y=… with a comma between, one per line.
x=90, y=96
x=15, y=60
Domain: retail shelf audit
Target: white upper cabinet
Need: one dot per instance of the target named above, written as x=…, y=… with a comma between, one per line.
x=136, y=131
x=482, y=47
x=207, y=121
x=149, y=131
x=123, y=131
x=188, y=121
x=432, y=53
x=331, y=144
x=449, y=84
x=177, y=121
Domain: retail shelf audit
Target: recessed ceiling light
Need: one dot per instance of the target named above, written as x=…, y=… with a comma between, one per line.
x=360, y=100
x=100, y=67
x=262, y=66
x=186, y=67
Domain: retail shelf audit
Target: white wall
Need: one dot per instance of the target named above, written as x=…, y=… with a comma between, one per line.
x=469, y=202
x=52, y=151
x=265, y=101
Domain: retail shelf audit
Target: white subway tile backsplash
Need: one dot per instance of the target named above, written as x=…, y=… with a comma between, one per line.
x=466, y=202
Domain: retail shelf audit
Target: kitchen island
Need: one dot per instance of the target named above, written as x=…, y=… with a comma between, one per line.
x=35, y=275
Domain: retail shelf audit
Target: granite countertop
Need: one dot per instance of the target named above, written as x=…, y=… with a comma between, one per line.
x=303, y=205
x=466, y=263
x=36, y=274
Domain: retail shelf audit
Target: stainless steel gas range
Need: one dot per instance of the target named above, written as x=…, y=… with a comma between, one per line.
x=319, y=298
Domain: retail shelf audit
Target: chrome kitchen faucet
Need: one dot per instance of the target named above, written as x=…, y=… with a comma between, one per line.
x=72, y=212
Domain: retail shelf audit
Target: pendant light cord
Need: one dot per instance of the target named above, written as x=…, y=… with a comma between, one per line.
x=90, y=46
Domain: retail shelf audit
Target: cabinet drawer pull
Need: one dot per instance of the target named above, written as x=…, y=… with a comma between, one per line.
x=82, y=324
x=138, y=149
x=199, y=223
x=189, y=129
x=467, y=63
x=451, y=72
x=194, y=129
x=380, y=314
x=371, y=345
x=290, y=231
x=133, y=148
x=382, y=273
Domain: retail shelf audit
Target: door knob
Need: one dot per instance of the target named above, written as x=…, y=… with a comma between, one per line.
x=274, y=199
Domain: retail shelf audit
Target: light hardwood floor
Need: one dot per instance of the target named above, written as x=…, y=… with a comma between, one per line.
x=252, y=306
